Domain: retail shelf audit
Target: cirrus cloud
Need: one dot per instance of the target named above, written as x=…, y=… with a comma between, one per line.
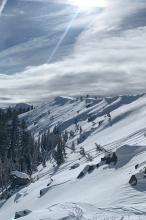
x=103, y=53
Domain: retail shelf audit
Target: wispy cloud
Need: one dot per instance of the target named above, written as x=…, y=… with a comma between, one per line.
x=104, y=53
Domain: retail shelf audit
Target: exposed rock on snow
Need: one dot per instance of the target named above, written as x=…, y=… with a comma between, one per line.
x=138, y=181
x=19, y=178
x=76, y=165
x=133, y=180
x=22, y=213
x=44, y=191
x=83, y=172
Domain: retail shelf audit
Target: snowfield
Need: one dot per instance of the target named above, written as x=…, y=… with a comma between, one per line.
x=105, y=194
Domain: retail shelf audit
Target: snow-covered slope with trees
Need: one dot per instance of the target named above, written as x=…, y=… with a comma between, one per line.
x=103, y=194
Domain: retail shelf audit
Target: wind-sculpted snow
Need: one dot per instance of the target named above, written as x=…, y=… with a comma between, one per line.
x=84, y=211
x=104, y=194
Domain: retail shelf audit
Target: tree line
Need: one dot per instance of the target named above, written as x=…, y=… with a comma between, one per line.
x=19, y=150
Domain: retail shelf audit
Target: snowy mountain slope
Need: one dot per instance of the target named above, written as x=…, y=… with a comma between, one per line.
x=105, y=193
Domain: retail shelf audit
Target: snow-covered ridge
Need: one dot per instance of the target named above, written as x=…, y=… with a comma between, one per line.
x=64, y=110
x=105, y=193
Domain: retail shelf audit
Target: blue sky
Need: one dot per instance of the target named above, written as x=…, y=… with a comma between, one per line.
x=103, y=50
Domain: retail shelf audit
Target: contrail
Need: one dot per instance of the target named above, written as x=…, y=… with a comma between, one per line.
x=63, y=36
x=2, y=6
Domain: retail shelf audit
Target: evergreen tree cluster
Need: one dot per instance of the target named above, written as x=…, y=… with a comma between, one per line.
x=52, y=145
x=17, y=146
x=20, y=151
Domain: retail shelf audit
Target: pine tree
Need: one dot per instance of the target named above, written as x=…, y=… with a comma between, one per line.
x=17, y=147
x=59, y=154
x=73, y=146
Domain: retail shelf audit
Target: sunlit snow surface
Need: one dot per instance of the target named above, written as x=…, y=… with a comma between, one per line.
x=103, y=194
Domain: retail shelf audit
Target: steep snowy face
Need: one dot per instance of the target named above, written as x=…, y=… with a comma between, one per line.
x=116, y=125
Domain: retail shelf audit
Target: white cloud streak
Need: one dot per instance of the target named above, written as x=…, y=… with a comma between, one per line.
x=108, y=57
